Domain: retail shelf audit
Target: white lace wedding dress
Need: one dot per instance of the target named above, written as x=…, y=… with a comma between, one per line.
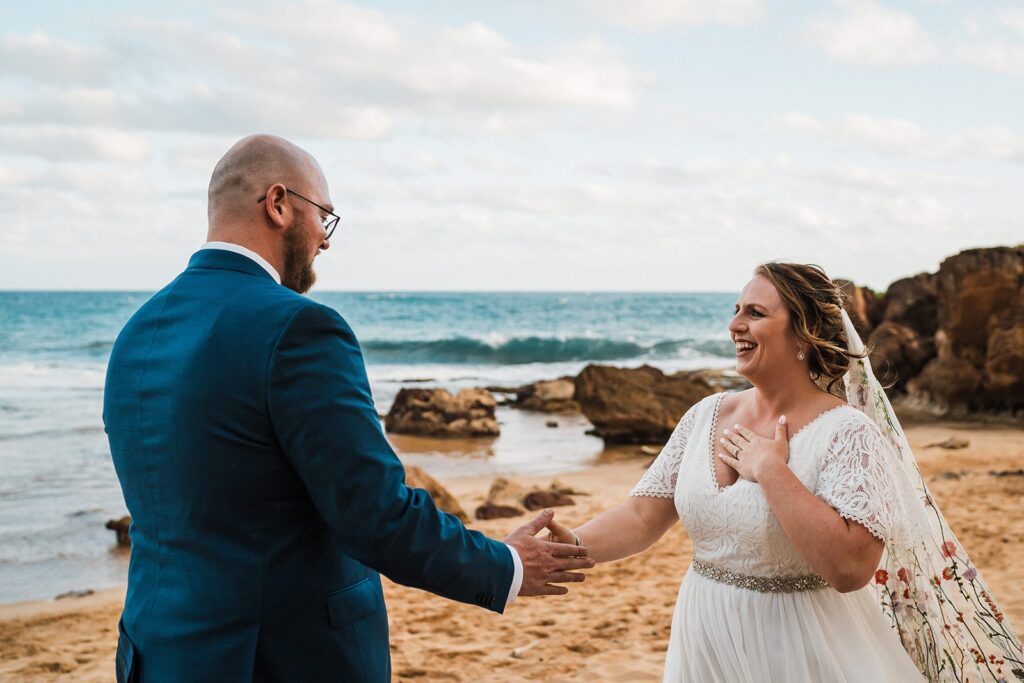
x=783, y=628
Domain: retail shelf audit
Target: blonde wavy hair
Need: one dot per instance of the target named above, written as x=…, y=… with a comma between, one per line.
x=815, y=305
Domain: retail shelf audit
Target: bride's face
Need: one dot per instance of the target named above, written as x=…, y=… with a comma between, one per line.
x=765, y=342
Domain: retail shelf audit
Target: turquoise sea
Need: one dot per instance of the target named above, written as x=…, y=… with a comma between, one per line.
x=57, y=484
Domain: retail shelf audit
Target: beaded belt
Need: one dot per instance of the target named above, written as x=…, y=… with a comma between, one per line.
x=765, y=584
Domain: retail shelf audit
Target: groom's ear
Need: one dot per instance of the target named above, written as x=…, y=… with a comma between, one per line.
x=278, y=209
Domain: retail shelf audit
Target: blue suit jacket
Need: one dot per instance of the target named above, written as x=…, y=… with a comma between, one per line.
x=264, y=496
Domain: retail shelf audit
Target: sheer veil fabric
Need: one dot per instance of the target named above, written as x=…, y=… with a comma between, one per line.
x=927, y=586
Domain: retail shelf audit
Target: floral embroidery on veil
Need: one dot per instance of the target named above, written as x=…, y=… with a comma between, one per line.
x=945, y=614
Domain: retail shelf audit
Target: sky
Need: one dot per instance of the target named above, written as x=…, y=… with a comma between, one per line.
x=649, y=145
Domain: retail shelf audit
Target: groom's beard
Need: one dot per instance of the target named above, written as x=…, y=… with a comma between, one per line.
x=298, y=272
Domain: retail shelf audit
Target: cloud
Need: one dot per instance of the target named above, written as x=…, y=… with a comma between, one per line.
x=472, y=67
x=37, y=57
x=884, y=181
x=56, y=142
x=1012, y=19
x=653, y=15
x=899, y=137
x=704, y=169
x=321, y=70
x=11, y=177
x=769, y=213
x=401, y=68
x=867, y=32
x=993, y=54
x=991, y=40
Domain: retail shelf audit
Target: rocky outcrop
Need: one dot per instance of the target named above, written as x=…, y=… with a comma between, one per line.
x=979, y=343
x=862, y=304
x=552, y=396
x=436, y=412
x=637, y=405
x=416, y=478
x=1004, y=360
x=898, y=353
x=951, y=341
x=905, y=321
x=913, y=303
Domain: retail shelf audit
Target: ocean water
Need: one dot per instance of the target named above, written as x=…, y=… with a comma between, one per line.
x=57, y=483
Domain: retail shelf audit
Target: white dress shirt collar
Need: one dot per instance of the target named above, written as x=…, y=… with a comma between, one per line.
x=239, y=249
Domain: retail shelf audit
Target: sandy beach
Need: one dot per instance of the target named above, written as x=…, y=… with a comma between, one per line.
x=614, y=627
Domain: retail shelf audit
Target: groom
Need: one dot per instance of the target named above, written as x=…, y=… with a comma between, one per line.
x=264, y=496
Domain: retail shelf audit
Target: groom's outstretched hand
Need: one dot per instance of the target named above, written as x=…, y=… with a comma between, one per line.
x=546, y=563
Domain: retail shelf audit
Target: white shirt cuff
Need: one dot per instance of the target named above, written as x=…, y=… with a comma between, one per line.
x=517, y=576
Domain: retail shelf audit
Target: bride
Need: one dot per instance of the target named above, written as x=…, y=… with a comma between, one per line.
x=818, y=554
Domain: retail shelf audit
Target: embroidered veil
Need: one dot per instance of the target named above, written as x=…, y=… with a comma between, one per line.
x=946, y=616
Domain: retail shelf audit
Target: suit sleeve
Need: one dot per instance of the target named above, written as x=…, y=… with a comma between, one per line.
x=323, y=414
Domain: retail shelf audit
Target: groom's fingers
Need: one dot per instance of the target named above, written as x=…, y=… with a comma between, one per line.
x=564, y=563
x=566, y=577
x=565, y=549
x=548, y=589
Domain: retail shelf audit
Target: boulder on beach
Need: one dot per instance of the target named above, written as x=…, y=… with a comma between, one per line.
x=121, y=527
x=494, y=511
x=436, y=412
x=416, y=478
x=538, y=500
x=504, y=499
x=507, y=498
x=550, y=396
x=952, y=443
x=566, y=490
x=637, y=405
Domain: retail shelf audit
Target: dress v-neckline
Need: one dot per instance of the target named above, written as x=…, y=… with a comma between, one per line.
x=714, y=431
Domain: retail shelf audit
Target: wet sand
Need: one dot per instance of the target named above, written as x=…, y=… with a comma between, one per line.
x=614, y=627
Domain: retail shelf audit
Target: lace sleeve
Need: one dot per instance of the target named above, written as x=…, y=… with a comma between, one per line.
x=660, y=479
x=858, y=479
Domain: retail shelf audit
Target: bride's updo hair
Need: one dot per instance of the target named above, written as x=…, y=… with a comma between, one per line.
x=815, y=306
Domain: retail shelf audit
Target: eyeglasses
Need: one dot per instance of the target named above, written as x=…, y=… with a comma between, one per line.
x=330, y=221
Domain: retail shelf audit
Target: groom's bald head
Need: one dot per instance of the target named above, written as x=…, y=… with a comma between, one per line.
x=249, y=167
x=270, y=196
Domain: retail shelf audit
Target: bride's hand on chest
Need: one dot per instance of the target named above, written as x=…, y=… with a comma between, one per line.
x=752, y=454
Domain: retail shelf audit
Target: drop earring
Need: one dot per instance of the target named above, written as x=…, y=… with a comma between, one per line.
x=800, y=355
